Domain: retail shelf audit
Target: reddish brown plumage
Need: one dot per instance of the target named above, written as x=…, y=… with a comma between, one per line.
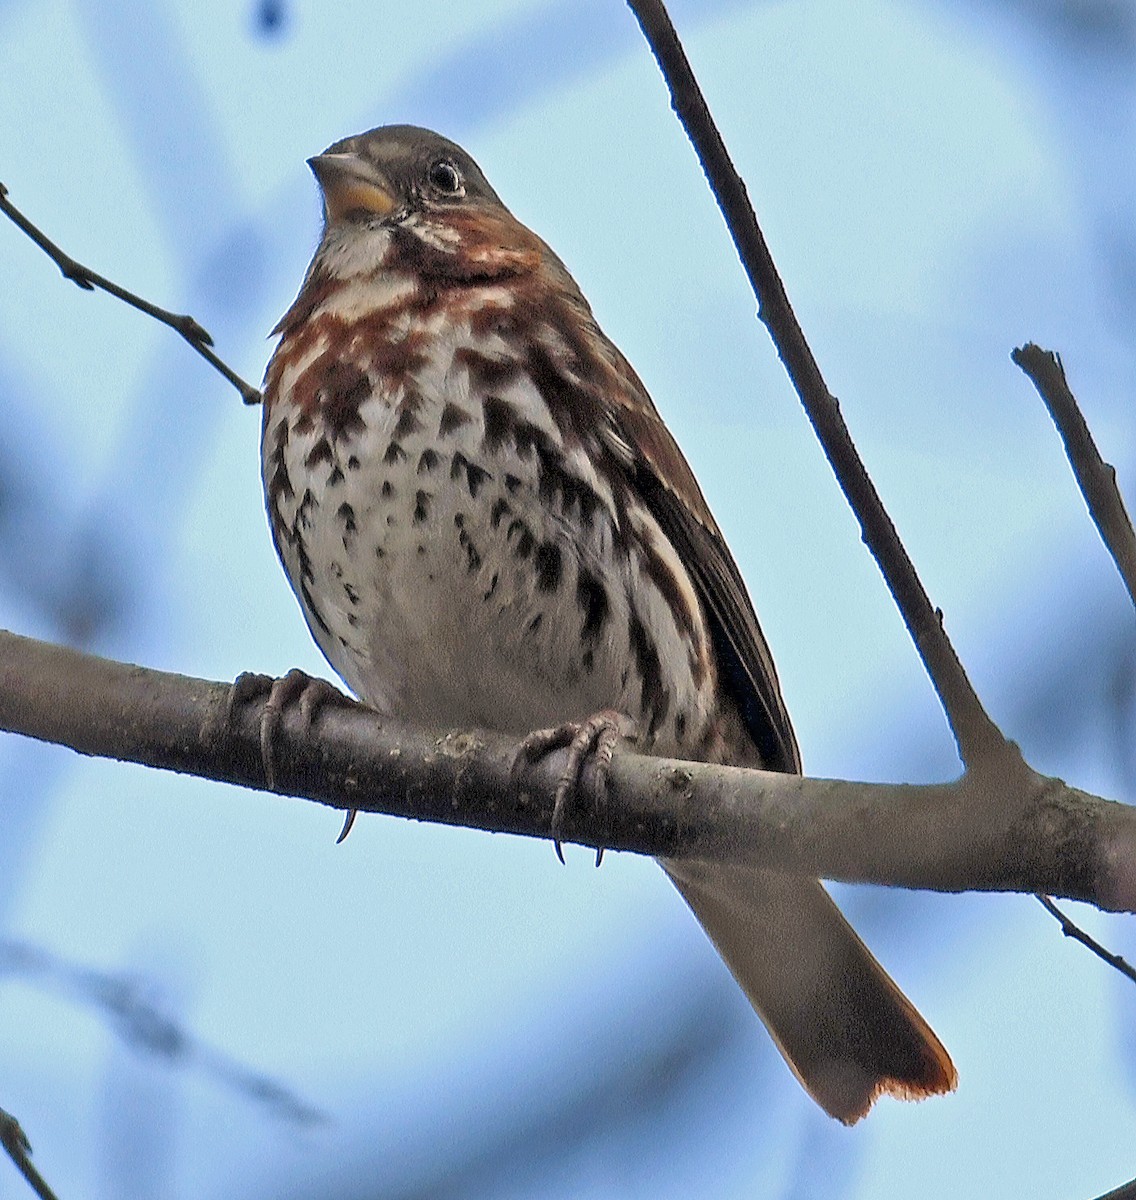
x=487, y=523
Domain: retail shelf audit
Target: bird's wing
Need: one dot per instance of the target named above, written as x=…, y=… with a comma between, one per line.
x=637, y=436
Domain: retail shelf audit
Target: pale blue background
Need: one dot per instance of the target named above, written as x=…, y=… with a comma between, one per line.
x=939, y=182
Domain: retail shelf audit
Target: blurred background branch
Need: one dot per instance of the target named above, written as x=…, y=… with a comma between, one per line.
x=135, y=1010
x=19, y=1150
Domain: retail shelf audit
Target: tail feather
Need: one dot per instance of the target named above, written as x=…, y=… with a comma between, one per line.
x=846, y=1030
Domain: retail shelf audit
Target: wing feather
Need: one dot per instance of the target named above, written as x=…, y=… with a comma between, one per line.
x=662, y=476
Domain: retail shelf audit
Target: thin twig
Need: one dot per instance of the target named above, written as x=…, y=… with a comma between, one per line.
x=975, y=733
x=1097, y=481
x=978, y=738
x=141, y=1021
x=1095, y=477
x=1072, y=930
x=19, y=1149
x=198, y=337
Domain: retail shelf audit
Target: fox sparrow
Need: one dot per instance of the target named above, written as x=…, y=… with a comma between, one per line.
x=487, y=523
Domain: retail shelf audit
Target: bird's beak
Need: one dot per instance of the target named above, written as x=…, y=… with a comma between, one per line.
x=350, y=185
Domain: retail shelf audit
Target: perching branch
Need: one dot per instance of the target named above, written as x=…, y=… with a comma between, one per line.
x=19, y=1150
x=1011, y=830
x=198, y=337
x=975, y=733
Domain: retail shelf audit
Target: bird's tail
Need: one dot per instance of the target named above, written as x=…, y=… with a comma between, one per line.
x=844, y=1027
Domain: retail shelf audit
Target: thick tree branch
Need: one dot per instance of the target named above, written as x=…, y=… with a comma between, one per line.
x=1010, y=830
x=197, y=336
x=975, y=733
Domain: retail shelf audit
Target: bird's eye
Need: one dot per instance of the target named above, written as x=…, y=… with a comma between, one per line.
x=445, y=177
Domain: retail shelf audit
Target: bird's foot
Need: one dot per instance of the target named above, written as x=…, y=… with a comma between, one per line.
x=297, y=687
x=592, y=740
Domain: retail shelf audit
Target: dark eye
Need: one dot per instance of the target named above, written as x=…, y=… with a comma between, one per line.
x=445, y=177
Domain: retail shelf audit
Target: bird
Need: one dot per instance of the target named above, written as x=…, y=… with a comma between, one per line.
x=487, y=524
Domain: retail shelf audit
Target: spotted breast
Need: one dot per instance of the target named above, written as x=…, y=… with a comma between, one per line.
x=487, y=523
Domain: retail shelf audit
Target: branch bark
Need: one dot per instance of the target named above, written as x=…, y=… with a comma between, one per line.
x=83, y=277
x=975, y=733
x=1012, y=830
x=1095, y=477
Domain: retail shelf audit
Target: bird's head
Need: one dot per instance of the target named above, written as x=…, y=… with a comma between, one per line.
x=407, y=199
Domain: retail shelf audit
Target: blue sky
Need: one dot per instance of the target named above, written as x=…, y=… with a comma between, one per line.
x=939, y=182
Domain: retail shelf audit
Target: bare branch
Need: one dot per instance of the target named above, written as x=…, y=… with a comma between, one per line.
x=19, y=1149
x=1072, y=930
x=1126, y=1191
x=1002, y=830
x=198, y=337
x=975, y=733
x=1095, y=477
x=142, y=1022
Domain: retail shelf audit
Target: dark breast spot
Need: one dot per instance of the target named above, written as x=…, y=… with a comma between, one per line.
x=407, y=423
x=343, y=389
x=557, y=485
x=525, y=542
x=499, y=510
x=278, y=485
x=453, y=418
x=591, y=595
x=486, y=373
x=499, y=421
x=319, y=453
x=427, y=461
x=549, y=565
x=473, y=558
x=654, y=699
x=394, y=454
x=421, y=506
x=475, y=476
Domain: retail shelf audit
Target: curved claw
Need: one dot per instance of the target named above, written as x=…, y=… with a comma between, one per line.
x=594, y=738
x=284, y=691
x=297, y=685
x=247, y=686
x=348, y=821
